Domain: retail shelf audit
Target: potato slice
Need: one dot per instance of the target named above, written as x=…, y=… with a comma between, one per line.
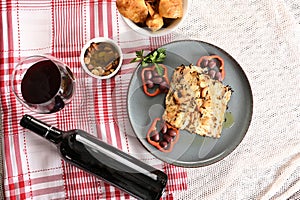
x=170, y=8
x=150, y=9
x=135, y=10
x=155, y=23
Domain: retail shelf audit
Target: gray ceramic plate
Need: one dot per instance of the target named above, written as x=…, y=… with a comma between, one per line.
x=193, y=150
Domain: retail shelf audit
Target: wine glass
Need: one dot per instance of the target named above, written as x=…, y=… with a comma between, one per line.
x=43, y=83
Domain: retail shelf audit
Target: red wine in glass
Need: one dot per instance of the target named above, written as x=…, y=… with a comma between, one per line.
x=43, y=84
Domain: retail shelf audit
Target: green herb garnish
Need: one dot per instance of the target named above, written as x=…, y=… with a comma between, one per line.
x=157, y=56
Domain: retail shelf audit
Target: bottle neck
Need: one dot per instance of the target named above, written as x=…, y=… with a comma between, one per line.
x=49, y=132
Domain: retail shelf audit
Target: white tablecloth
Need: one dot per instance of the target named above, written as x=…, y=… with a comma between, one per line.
x=264, y=37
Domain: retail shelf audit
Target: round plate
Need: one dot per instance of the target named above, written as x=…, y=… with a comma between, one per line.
x=192, y=150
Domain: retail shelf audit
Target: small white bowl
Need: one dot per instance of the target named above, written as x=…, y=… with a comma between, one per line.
x=162, y=31
x=101, y=40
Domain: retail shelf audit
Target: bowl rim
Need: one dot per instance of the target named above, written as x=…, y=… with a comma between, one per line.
x=97, y=40
x=162, y=31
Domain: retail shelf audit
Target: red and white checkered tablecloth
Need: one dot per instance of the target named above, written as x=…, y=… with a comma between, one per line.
x=32, y=167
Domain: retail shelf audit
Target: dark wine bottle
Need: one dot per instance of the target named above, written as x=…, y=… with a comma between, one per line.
x=102, y=160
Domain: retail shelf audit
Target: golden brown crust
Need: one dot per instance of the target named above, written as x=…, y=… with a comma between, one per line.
x=135, y=10
x=170, y=8
x=195, y=102
x=151, y=13
x=155, y=22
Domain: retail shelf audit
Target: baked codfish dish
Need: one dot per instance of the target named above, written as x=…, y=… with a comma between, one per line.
x=195, y=102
